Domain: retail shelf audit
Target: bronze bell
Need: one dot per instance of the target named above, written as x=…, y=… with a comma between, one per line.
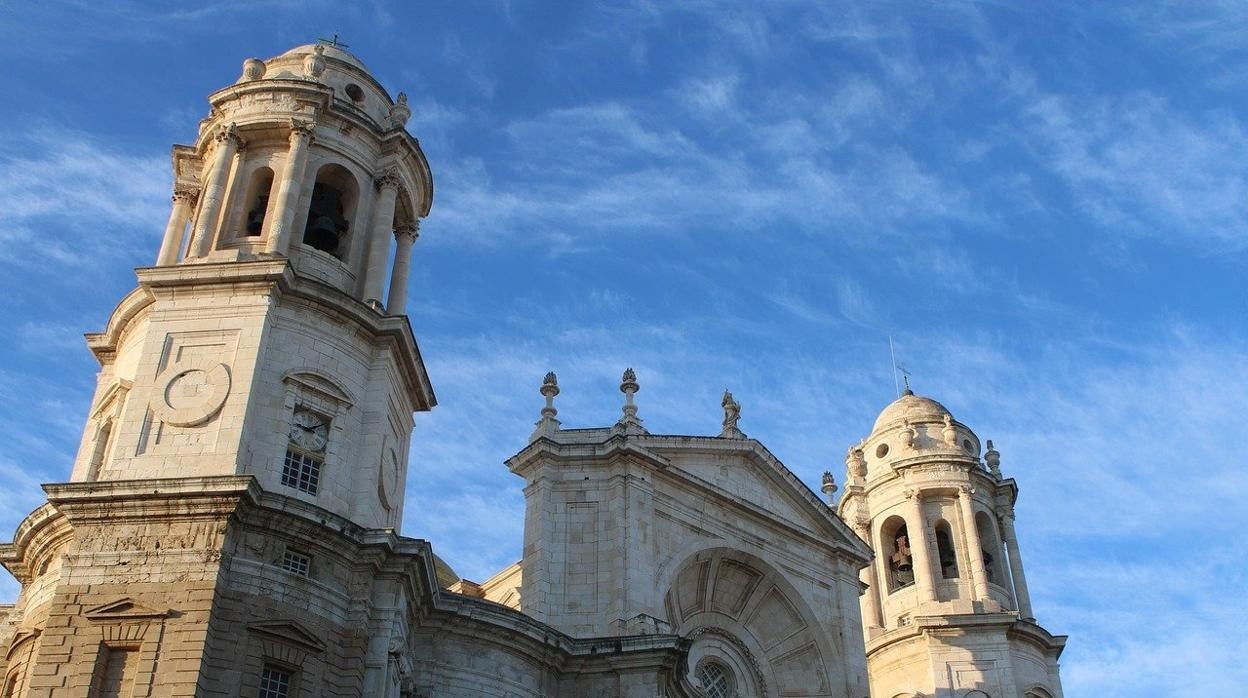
x=255, y=218
x=326, y=223
x=901, y=559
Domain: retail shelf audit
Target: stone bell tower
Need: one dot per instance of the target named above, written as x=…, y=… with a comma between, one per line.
x=260, y=343
x=946, y=612
x=247, y=441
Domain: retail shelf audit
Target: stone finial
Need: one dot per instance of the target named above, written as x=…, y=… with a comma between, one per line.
x=856, y=464
x=314, y=63
x=949, y=433
x=828, y=486
x=400, y=112
x=629, y=423
x=732, y=415
x=908, y=434
x=993, y=459
x=548, y=425
x=253, y=69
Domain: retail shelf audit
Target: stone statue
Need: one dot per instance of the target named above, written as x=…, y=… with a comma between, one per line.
x=732, y=415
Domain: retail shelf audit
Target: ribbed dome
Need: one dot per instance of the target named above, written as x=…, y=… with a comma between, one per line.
x=446, y=575
x=916, y=408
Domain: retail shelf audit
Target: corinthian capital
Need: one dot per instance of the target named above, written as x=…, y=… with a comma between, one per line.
x=301, y=129
x=387, y=178
x=410, y=229
x=229, y=133
x=185, y=193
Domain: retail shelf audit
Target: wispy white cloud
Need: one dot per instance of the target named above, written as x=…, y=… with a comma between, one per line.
x=1140, y=166
x=71, y=202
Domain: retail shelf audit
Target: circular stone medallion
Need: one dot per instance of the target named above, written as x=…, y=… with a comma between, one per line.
x=191, y=392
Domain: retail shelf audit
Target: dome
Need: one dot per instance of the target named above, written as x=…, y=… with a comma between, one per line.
x=446, y=575
x=915, y=408
x=331, y=51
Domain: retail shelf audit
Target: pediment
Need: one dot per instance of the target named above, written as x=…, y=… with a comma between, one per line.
x=747, y=476
x=21, y=636
x=124, y=608
x=288, y=631
x=317, y=383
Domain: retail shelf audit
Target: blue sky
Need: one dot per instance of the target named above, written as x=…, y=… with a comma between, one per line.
x=1044, y=204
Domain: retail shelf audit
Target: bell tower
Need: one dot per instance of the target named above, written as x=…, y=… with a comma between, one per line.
x=237, y=493
x=946, y=612
x=262, y=342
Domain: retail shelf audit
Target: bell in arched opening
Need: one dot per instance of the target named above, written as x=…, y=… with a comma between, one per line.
x=326, y=223
x=255, y=217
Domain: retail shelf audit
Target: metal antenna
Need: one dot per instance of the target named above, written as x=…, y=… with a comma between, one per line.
x=893, y=354
x=898, y=368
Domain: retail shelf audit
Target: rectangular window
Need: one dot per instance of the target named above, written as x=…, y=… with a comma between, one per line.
x=274, y=682
x=115, y=672
x=301, y=471
x=296, y=562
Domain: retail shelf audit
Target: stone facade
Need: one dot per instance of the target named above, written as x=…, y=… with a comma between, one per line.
x=230, y=524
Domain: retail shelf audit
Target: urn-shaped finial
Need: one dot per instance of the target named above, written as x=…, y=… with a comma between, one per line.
x=908, y=434
x=949, y=433
x=993, y=459
x=400, y=112
x=314, y=63
x=828, y=486
x=253, y=69
x=548, y=425
x=629, y=423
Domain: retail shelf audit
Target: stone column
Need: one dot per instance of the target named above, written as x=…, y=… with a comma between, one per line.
x=873, y=615
x=228, y=143
x=1021, y=596
x=917, y=527
x=171, y=245
x=280, y=232
x=974, y=548
x=404, y=234
x=379, y=237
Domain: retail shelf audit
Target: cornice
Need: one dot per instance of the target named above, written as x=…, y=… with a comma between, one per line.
x=261, y=274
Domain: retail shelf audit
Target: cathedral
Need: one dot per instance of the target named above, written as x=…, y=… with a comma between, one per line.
x=230, y=526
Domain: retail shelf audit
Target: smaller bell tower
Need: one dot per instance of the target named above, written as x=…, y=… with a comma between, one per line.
x=946, y=611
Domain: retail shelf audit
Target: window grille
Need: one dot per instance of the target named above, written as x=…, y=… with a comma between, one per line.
x=302, y=471
x=716, y=680
x=296, y=563
x=274, y=682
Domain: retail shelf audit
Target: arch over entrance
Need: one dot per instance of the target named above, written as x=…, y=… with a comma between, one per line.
x=752, y=633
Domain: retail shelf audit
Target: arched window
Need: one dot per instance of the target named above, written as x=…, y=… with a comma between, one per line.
x=10, y=686
x=944, y=548
x=256, y=202
x=1037, y=692
x=992, y=551
x=334, y=196
x=716, y=679
x=899, y=560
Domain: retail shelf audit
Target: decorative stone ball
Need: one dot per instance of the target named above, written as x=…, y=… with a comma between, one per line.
x=253, y=69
